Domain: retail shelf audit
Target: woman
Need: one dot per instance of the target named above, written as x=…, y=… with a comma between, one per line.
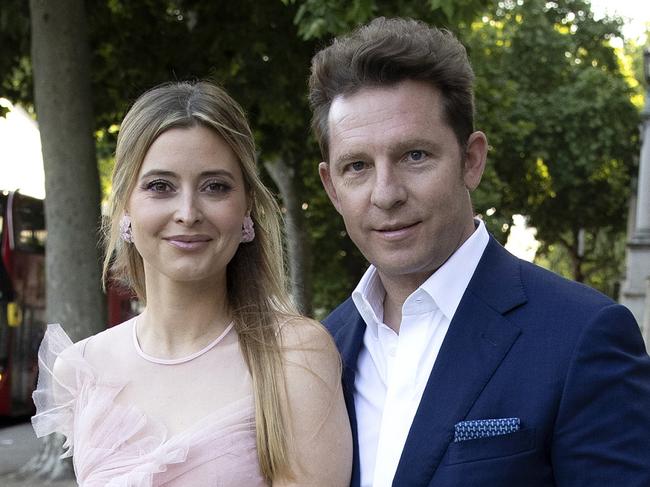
x=218, y=381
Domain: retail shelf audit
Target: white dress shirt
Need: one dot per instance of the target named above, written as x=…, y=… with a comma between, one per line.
x=393, y=369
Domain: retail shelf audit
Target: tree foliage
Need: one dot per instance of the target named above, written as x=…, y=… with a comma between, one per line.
x=318, y=19
x=15, y=66
x=557, y=110
x=550, y=96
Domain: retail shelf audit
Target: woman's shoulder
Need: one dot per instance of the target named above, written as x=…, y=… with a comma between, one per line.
x=57, y=339
x=64, y=371
x=317, y=422
x=59, y=351
x=117, y=332
x=307, y=346
x=297, y=331
x=107, y=345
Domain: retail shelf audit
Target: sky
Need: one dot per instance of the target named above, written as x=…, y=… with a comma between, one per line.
x=635, y=13
x=21, y=162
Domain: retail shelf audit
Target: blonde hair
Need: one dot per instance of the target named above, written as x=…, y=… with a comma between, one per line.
x=256, y=291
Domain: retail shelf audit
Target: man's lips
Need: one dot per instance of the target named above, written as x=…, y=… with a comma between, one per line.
x=396, y=231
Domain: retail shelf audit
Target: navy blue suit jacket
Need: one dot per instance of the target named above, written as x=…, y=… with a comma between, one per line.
x=566, y=360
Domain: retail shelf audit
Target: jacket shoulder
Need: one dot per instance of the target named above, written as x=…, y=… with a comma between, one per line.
x=552, y=287
x=507, y=282
x=343, y=314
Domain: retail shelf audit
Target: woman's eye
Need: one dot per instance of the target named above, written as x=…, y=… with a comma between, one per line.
x=159, y=186
x=216, y=187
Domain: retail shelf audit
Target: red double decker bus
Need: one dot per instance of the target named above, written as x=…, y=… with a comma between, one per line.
x=22, y=299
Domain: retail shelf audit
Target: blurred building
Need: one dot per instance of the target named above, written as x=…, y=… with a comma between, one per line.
x=635, y=291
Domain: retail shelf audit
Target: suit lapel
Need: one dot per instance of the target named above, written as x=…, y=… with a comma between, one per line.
x=477, y=341
x=349, y=340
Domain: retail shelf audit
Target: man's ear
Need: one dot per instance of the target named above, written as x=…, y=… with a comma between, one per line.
x=475, y=159
x=326, y=179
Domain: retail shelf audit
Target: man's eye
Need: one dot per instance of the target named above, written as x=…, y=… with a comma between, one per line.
x=357, y=166
x=417, y=155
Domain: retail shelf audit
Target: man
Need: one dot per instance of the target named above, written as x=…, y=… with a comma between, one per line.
x=462, y=365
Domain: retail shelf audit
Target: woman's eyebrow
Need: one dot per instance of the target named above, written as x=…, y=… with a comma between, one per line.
x=172, y=174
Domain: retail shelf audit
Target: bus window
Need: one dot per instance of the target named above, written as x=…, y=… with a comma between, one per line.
x=22, y=284
x=6, y=293
x=29, y=224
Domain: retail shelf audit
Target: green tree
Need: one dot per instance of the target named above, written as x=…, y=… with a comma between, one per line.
x=319, y=19
x=557, y=111
x=250, y=47
x=260, y=51
x=61, y=66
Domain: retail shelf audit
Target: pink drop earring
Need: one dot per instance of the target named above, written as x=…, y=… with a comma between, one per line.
x=125, y=229
x=247, y=231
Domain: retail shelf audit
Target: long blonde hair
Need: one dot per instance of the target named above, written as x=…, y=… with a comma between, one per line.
x=256, y=292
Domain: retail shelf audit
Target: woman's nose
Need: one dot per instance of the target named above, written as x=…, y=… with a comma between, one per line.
x=188, y=211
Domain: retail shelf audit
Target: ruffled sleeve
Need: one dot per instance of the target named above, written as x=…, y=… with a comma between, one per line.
x=62, y=373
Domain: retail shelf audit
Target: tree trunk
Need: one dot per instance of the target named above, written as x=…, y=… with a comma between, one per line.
x=576, y=265
x=297, y=238
x=62, y=94
x=61, y=63
x=576, y=252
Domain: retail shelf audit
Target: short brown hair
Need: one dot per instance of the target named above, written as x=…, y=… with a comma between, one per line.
x=386, y=52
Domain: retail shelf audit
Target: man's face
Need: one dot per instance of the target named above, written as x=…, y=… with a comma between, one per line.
x=396, y=175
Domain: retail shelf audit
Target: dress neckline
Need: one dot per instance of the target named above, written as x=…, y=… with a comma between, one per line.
x=174, y=361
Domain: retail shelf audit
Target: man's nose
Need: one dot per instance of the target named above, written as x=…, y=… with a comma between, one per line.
x=388, y=190
x=188, y=211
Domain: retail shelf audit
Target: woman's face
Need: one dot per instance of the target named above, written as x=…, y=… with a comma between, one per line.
x=188, y=206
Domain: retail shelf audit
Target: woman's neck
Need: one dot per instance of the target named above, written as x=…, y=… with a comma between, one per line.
x=181, y=318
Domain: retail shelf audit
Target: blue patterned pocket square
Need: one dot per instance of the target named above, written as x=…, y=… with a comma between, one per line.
x=482, y=428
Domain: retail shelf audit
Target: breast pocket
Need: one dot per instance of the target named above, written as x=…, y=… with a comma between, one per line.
x=491, y=447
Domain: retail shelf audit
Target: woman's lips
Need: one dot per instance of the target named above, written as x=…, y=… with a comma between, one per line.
x=188, y=242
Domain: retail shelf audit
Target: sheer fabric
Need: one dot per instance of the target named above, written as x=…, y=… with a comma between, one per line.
x=130, y=420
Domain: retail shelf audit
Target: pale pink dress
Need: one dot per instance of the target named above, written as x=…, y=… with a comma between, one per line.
x=134, y=420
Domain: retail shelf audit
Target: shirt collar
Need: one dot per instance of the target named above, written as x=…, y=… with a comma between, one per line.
x=446, y=285
x=368, y=297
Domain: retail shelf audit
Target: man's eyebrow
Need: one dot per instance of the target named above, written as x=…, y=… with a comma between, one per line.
x=347, y=157
x=415, y=144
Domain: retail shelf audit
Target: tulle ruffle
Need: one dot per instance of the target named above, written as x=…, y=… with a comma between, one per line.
x=116, y=445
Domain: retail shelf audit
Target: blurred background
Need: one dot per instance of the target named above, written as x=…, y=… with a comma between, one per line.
x=560, y=93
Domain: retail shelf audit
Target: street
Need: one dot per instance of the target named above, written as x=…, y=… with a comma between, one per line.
x=17, y=445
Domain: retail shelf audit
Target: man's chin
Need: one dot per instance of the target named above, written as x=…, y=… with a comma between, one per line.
x=404, y=268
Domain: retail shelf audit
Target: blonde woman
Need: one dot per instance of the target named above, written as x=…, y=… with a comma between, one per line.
x=218, y=381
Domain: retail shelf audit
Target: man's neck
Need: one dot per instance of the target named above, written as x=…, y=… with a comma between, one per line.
x=397, y=290
x=399, y=287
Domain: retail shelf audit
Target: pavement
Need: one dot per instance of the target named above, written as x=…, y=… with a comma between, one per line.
x=18, y=445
